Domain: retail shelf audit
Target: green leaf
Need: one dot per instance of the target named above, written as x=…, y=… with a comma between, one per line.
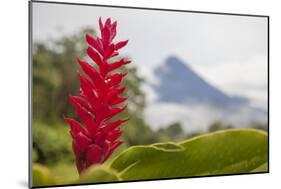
x=263, y=168
x=224, y=152
x=41, y=176
x=99, y=174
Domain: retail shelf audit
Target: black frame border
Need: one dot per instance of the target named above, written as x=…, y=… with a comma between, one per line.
x=30, y=40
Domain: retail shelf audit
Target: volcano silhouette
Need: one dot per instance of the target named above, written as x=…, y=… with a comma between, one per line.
x=179, y=83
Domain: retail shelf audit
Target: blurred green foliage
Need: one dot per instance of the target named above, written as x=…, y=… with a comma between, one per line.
x=41, y=176
x=173, y=131
x=217, y=125
x=51, y=144
x=54, y=76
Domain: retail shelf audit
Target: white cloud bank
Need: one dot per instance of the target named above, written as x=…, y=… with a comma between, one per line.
x=199, y=117
x=247, y=78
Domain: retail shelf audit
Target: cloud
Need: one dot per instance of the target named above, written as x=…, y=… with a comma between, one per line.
x=153, y=35
x=247, y=78
x=200, y=116
x=193, y=118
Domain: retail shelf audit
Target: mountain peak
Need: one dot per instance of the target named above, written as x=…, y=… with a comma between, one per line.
x=179, y=83
x=174, y=63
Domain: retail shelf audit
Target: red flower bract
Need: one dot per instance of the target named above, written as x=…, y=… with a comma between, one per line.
x=95, y=137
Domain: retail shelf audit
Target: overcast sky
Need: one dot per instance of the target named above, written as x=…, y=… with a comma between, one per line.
x=229, y=51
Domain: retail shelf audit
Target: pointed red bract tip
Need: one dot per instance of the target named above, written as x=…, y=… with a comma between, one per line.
x=95, y=137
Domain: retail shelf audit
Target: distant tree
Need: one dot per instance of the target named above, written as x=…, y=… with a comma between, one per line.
x=193, y=134
x=54, y=76
x=173, y=131
x=261, y=126
x=217, y=125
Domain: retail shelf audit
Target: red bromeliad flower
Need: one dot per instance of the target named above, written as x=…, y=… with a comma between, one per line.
x=96, y=137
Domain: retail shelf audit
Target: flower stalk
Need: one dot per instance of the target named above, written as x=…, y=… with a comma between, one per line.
x=96, y=136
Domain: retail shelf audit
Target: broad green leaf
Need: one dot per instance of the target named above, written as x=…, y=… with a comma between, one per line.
x=223, y=152
x=98, y=174
x=41, y=176
x=262, y=168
